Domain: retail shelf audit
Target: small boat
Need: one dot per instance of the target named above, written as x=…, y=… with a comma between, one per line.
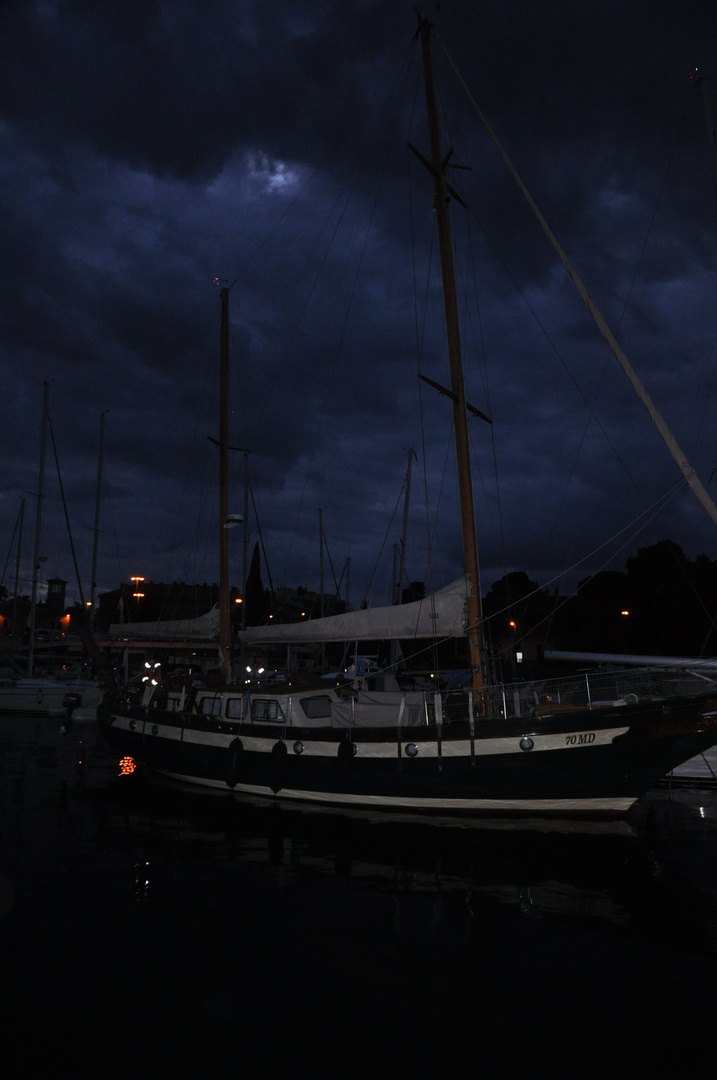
x=571, y=747
x=65, y=693
x=699, y=771
x=48, y=697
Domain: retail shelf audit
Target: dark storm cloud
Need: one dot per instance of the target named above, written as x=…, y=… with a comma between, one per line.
x=150, y=147
x=173, y=87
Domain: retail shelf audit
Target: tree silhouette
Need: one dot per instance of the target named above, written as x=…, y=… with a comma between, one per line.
x=671, y=599
x=600, y=625
x=515, y=598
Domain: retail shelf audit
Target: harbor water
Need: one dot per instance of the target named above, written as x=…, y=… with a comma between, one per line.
x=149, y=931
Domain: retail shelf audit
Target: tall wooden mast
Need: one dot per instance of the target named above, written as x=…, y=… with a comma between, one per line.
x=460, y=422
x=95, y=539
x=224, y=628
x=36, y=558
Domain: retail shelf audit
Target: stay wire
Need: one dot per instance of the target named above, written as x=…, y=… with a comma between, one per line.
x=638, y=524
x=10, y=548
x=338, y=212
x=64, y=507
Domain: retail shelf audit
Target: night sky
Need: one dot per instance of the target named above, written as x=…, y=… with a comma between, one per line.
x=149, y=148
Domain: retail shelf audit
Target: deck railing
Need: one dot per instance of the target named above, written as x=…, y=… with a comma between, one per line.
x=587, y=690
x=592, y=689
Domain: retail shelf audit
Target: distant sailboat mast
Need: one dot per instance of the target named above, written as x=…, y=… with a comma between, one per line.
x=21, y=517
x=450, y=298
x=224, y=627
x=404, y=531
x=38, y=525
x=95, y=540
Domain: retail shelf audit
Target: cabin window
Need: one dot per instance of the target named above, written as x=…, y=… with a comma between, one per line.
x=316, y=707
x=266, y=709
x=211, y=706
x=235, y=708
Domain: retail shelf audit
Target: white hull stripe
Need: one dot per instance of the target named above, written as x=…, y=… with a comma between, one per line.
x=426, y=749
x=537, y=806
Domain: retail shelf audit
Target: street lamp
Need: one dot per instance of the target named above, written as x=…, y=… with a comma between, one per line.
x=624, y=613
x=137, y=580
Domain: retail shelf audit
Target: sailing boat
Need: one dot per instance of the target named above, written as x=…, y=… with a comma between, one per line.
x=34, y=695
x=591, y=746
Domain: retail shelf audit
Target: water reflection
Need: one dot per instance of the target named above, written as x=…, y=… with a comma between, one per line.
x=65, y=793
x=205, y=931
x=622, y=873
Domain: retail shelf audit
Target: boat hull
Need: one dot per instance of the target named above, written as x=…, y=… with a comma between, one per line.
x=39, y=698
x=579, y=763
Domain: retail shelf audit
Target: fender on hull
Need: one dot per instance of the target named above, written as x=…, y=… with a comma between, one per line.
x=548, y=765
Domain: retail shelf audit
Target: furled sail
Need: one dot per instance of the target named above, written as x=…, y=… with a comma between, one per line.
x=440, y=615
x=203, y=628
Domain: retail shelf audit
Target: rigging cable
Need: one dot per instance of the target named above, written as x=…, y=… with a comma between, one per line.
x=339, y=208
x=64, y=507
x=646, y=517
